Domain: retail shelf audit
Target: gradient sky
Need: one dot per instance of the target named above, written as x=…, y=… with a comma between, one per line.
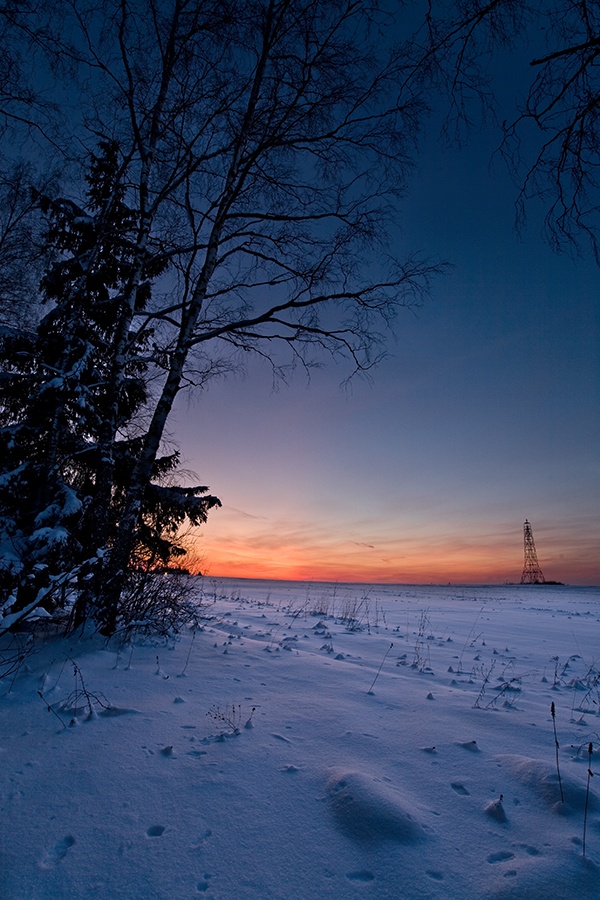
x=485, y=412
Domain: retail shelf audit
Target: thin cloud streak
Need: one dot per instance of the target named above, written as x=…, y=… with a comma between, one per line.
x=309, y=551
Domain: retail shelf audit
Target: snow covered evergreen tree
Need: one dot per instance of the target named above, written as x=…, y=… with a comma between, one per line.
x=71, y=396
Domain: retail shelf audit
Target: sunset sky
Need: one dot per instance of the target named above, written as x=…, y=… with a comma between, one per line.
x=485, y=412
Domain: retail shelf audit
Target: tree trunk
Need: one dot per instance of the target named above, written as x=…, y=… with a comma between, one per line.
x=120, y=553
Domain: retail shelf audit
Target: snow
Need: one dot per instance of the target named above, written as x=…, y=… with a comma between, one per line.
x=314, y=741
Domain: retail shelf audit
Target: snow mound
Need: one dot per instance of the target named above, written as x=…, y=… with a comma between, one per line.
x=370, y=810
x=541, y=777
x=538, y=878
x=495, y=810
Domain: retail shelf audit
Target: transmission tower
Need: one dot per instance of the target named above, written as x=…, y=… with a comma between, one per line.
x=532, y=574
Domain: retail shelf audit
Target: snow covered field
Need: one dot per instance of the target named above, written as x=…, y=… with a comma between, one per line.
x=312, y=741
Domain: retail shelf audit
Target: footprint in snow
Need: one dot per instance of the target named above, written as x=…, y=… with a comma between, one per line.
x=433, y=873
x=57, y=853
x=203, y=885
x=362, y=875
x=155, y=830
x=459, y=788
x=501, y=856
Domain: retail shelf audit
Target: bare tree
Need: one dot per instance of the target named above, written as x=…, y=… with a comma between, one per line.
x=552, y=142
x=267, y=203
x=262, y=148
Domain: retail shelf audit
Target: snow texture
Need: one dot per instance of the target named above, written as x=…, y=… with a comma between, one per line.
x=280, y=753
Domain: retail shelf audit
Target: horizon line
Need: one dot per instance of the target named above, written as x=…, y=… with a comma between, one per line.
x=550, y=583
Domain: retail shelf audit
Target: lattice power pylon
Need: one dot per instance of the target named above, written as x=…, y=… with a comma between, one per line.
x=532, y=574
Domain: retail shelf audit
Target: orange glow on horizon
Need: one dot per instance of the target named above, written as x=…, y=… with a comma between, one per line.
x=263, y=571
x=274, y=555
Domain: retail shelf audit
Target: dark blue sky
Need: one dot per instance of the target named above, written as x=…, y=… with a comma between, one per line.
x=485, y=412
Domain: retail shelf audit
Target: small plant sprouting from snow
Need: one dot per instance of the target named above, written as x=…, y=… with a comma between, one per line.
x=79, y=701
x=487, y=674
x=361, y=613
x=229, y=719
x=421, y=655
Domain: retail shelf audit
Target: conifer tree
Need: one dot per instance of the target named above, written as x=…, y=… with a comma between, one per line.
x=68, y=406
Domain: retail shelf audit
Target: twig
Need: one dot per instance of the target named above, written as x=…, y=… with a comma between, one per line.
x=486, y=677
x=556, y=744
x=587, y=792
x=49, y=708
x=468, y=640
x=380, y=668
x=187, y=659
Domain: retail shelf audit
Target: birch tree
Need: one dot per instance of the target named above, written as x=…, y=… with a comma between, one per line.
x=264, y=146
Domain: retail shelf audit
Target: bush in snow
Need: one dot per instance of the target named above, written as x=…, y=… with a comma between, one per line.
x=159, y=603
